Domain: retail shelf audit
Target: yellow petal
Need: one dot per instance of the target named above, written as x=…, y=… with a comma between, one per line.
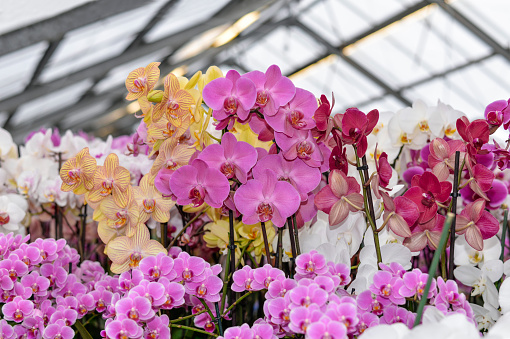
x=171, y=84
x=152, y=73
x=118, y=269
x=119, y=249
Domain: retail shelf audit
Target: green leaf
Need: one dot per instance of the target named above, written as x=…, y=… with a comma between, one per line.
x=83, y=331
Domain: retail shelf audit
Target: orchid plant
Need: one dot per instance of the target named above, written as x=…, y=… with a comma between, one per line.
x=295, y=220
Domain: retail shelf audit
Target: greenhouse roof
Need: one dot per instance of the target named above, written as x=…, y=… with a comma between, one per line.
x=64, y=62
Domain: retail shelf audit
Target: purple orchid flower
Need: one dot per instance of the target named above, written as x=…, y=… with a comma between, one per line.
x=310, y=264
x=303, y=177
x=265, y=198
x=39, y=285
x=198, y=183
x=18, y=309
x=296, y=115
x=326, y=328
x=243, y=280
x=414, y=284
x=153, y=291
x=232, y=158
x=155, y=267
x=302, y=317
x=135, y=308
x=188, y=268
x=174, y=294
x=238, y=332
x=273, y=89
x=230, y=97
x=58, y=330
x=123, y=328
x=280, y=287
x=158, y=327
x=308, y=295
x=266, y=274
x=302, y=145
x=387, y=287
x=208, y=289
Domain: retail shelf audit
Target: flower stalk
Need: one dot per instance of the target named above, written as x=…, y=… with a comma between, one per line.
x=455, y=194
x=433, y=267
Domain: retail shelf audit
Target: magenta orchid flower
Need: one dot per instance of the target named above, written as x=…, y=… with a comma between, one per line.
x=442, y=156
x=266, y=274
x=311, y=264
x=302, y=145
x=475, y=134
x=356, y=125
x=382, y=175
x=238, y=332
x=296, y=115
x=426, y=192
x=401, y=213
x=198, y=183
x=326, y=328
x=303, y=177
x=414, y=284
x=208, y=289
x=340, y=196
x=135, y=308
x=273, y=89
x=58, y=330
x=322, y=114
x=476, y=224
x=498, y=113
x=126, y=328
x=481, y=180
x=308, y=295
x=387, y=287
x=232, y=158
x=18, y=309
x=265, y=198
x=230, y=97
x=423, y=234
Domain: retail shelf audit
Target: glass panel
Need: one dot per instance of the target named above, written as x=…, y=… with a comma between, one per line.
x=183, y=15
x=51, y=102
x=17, y=68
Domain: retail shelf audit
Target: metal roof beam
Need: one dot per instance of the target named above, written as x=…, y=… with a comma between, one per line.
x=333, y=50
x=371, y=30
x=477, y=31
x=54, y=28
x=232, y=13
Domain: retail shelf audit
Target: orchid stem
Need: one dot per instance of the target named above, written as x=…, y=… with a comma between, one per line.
x=433, y=268
x=218, y=318
x=503, y=235
x=186, y=226
x=296, y=235
x=280, y=248
x=455, y=193
x=232, y=247
x=186, y=317
x=266, y=243
x=164, y=233
x=207, y=308
x=292, y=245
x=187, y=328
x=369, y=205
x=235, y=304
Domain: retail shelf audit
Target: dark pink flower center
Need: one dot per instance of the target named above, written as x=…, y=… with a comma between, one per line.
x=296, y=119
x=355, y=134
x=377, y=308
x=100, y=305
x=74, y=174
x=230, y=105
x=169, y=301
x=386, y=290
x=187, y=275
x=428, y=199
x=154, y=272
x=12, y=274
x=4, y=218
x=18, y=315
x=247, y=284
x=107, y=187
x=304, y=150
x=201, y=290
x=197, y=194
x=139, y=84
x=228, y=170
x=495, y=118
x=172, y=105
x=310, y=267
x=35, y=288
x=135, y=259
x=262, y=98
x=265, y=212
x=148, y=205
x=133, y=314
x=268, y=281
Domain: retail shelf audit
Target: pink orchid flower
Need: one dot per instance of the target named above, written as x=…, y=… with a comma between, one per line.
x=273, y=89
x=230, y=97
x=340, y=196
x=302, y=145
x=232, y=158
x=401, y=213
x=442, y=156
x=296, y=115
x=303, y=177
x=476, y=224
x=198, y=183
x=265, y=198
x=498, y=113
x=428, y=233
x=481, y=180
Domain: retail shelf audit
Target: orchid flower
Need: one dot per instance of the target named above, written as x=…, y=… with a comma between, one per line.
x=482, y=280
x=265, y=198
x=476, y=224
x=77, y=173
x=110, y=179
x=442, y=156
x=232, y=158
x=126, y=252
x=356, y=125
x=140, y=81
x=151, y=202
x=176, y=102
x=273, y=89
x=340, y=196
x=198, y=183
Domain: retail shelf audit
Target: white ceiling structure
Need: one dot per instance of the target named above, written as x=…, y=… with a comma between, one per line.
x=63, y=63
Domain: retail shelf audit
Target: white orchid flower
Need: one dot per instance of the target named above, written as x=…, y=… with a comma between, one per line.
x=467, y=255
x=482, y=280
x=11, y=214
